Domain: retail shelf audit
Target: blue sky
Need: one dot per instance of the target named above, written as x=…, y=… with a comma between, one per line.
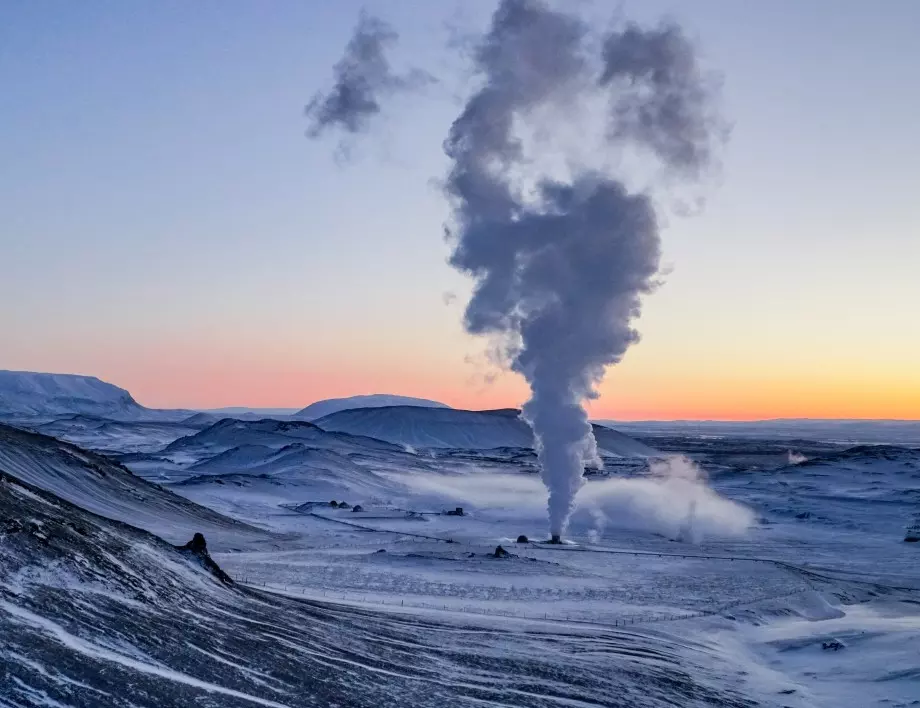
x=165, y=223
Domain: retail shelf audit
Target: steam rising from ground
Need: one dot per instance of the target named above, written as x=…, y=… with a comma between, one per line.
x=795, y=458
x=673, y=500
x=560, y=248
x=363, y=77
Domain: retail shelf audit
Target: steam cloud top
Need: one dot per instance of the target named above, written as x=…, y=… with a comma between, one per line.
x=363, y=77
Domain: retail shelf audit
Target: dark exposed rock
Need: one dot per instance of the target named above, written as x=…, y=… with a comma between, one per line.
x=523, y=539
x=197, y=548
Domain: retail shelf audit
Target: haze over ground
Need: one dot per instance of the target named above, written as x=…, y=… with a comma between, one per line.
x=179, y=236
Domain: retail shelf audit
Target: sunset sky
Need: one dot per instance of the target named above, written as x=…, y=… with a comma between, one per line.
x=166, y=226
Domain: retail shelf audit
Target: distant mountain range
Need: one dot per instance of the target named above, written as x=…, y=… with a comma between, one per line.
x=32, y=395
x=37, y=399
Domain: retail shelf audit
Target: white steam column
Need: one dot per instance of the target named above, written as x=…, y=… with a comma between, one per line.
x=561, y=249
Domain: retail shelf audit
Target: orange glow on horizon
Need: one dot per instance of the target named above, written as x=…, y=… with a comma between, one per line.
x=627, y=399
x=641, y=388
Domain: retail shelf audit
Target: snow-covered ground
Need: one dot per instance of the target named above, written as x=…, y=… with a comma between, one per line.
x=729, y=568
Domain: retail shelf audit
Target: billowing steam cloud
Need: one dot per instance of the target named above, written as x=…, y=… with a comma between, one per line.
x=363, y=77
x=562, y=255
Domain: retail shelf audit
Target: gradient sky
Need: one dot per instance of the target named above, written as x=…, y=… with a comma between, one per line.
x=166, y=226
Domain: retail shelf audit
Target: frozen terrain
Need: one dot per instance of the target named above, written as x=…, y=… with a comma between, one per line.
x=699, y=571
x=471, y=430
x=852, y=432
x=100, y=485
x=95, y=613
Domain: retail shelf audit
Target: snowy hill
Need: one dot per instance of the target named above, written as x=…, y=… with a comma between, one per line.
x=376, y=400
x=232, y=433
x=25, y=394
x=106, y=488
x=451, y=428
x=433, y=427
x=325, y=472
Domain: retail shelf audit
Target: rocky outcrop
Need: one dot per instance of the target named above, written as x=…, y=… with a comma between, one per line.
x=197, y=549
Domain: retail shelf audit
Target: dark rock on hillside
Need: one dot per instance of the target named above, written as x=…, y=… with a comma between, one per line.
x=197, y=548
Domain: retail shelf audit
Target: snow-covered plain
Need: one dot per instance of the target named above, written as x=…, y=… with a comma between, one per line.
x=712, y=575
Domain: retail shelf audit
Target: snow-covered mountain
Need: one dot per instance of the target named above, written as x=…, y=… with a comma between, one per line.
x=376, y=400
x=324, y=472
x=452, y=428
x=232, y=433
x=433, y=427
x=27, y=395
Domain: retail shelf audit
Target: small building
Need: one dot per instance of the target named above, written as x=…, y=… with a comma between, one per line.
x=455, y=512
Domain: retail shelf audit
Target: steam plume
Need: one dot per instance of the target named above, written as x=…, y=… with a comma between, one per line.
x=562, y=256
x=363, y=77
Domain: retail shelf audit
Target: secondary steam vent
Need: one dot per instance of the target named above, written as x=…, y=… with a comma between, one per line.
x=560, y=244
